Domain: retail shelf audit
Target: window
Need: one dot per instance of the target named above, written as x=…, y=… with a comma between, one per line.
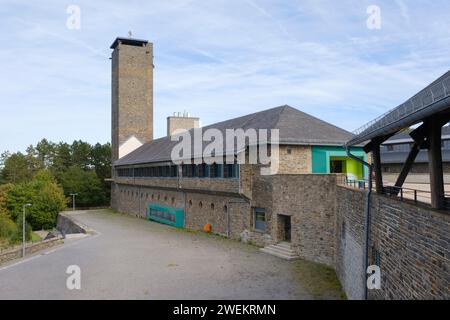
x=212, y=206
x=200, y=204
x=390, y=147
x=215, y=170
x=194, y=170
x=259, y=219
x=203, y=170
x=230, y=171
x=289, y=151
x=337, y=166
x=173, y=171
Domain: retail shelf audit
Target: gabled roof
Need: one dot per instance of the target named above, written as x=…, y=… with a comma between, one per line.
x=295, y=127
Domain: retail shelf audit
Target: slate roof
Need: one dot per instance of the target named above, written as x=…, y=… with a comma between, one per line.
x=295, y=127
x=404, y=137
x=388, y=157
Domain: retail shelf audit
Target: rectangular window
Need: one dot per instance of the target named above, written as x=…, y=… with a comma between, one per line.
x=173, y=171
x=259, y=218
x=201, y=170
x=216, y=170
x=194, y=170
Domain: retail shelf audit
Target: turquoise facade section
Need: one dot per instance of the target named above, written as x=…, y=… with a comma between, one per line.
x=323, y=155
x=165, y=214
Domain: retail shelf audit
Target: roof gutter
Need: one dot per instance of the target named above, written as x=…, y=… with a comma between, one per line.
x=366, y=215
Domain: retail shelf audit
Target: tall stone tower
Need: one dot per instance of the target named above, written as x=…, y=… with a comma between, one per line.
x=132, y=95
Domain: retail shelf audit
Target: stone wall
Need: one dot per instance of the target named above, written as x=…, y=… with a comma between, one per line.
x=309, y=199
x=132, y=94
x=228, y=215
x=295, y=159
x=181, y=123
x=66, y=225
x=16, y=252
x=411, y=243
x=349, y=239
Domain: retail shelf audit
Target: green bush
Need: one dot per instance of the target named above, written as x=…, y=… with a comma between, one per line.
x=45, y=195
x=89, y=188
x=11, y=233
x=8, y=228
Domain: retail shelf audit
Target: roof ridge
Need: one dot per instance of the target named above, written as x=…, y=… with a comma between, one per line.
x=251, y=115
x=285, y=107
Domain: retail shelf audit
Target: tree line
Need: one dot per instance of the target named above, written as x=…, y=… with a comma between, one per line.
x=45, y=175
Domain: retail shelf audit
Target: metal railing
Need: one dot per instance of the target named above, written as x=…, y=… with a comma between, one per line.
x=431, y=94
x=403, y=194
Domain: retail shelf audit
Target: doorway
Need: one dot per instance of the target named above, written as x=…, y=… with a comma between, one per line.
x=284, y=227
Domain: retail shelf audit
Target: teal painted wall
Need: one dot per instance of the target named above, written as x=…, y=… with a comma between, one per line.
x=321, y=156
x=165, y=214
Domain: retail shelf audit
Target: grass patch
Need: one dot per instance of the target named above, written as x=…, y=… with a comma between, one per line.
x=35, y=237
x=319, y=280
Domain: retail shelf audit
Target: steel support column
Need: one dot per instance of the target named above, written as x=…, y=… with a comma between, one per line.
x=376, y=158
x=435, y=164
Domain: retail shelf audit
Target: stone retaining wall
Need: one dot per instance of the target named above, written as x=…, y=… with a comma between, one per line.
x=410, y=243
x=16, y=252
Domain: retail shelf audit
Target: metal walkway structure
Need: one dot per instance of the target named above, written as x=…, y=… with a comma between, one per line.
x=431, y=100
x=431, y=109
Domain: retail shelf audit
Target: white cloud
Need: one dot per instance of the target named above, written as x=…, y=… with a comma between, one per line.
x=216, y=59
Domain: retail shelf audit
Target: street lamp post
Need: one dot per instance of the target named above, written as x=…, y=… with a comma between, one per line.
x=73, y=200
x=23, y=227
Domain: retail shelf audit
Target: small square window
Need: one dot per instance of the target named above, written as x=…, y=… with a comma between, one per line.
x=289, y=151
x=259, y=218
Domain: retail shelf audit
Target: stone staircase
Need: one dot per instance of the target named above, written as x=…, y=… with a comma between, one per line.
x=281, y=250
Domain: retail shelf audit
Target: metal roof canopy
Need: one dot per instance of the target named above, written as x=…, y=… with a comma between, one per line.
x=429, y=101
x=128, y=41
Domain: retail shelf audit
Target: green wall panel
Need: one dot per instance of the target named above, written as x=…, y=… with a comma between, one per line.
x=321, y=156
x=165, y=214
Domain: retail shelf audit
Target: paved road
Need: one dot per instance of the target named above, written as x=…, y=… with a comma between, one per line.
x=130, y=258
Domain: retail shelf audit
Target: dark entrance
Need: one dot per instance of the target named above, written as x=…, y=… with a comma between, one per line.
x=285, y=227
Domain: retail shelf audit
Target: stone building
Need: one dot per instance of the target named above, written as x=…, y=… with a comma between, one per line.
x=232, y=199
x=304, y=210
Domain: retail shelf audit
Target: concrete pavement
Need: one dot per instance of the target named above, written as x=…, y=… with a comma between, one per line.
x=130, y=258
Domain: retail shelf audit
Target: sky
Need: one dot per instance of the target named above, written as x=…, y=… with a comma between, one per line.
x=216, y=59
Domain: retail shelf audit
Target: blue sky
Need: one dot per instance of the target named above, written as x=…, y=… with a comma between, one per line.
x=215, y=59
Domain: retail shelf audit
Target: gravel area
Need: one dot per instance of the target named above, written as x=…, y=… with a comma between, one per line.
x=131, y=258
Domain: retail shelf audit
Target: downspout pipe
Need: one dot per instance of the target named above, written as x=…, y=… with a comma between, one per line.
x=366, y=214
